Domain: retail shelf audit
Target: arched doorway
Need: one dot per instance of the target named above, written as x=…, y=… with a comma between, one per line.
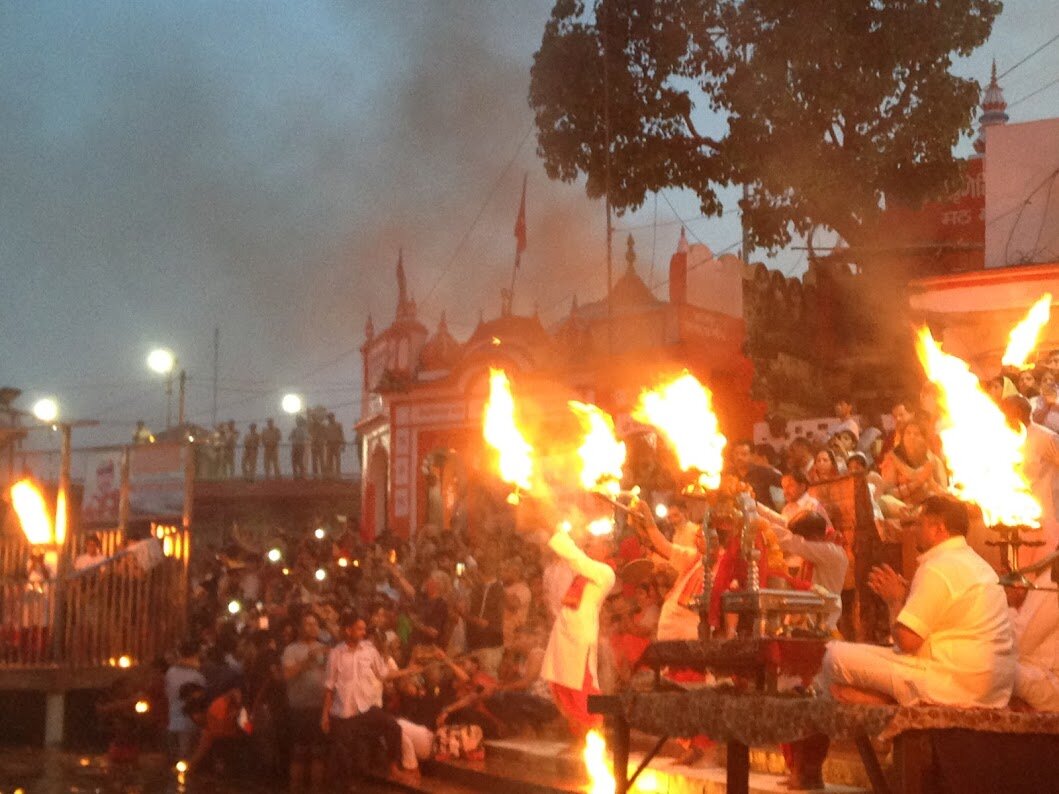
x=376, y=491
x=445, y=481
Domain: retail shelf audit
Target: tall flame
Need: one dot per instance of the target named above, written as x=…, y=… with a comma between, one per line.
x=984, y=455
x=595, y=758
x=602, y=455
x=502, y=433
x=32, y=512
x=1023, y=337
x=682, y=410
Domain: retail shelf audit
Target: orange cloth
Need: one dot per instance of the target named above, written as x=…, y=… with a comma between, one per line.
x=573, y=704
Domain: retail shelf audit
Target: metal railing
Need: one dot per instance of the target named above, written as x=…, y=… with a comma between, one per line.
x=115, y=614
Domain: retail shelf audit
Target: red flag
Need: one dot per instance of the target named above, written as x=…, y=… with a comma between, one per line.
x=520, y=222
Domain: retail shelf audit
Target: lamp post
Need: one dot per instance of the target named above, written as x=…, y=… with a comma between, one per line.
x=292, y=403
x=162, y=361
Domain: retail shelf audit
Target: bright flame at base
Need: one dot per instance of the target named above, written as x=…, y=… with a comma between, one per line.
x=503, y=435
x=28, y=502
x=682, y=410
x=984, y=455
x=602, y=455
x=595, y=758
x=1023, y=337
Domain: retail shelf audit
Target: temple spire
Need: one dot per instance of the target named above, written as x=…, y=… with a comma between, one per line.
x=406, y=305
x=994, y=110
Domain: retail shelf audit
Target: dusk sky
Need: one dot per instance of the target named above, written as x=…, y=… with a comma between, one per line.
x=169, y=167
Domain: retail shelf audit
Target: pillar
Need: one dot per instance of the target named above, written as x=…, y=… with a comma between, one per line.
x=54, y=716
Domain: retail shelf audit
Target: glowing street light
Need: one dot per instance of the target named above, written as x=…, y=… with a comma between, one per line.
x=163, y=361
x=319, y=533
x=46, y=409
x=321, y=574
x=275, y=555
x=291, y=403
x=234, y=607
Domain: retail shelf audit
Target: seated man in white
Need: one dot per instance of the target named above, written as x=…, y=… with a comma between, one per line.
x=1037, y=641
x=954, y=642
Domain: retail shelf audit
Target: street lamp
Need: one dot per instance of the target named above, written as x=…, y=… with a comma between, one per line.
x=162, y=361
x=291, y=403
x=46, y=409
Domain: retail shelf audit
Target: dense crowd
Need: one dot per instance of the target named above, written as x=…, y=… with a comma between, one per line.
x=326, y=653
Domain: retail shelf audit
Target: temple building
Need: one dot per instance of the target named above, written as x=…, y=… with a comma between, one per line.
x=420, y=424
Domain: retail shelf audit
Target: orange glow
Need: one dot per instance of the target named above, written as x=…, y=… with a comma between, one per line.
x=984, y=455
x=60, y=517
x=28, y=502
x=595, y=758
x=600, y=527
x=1024, y=336
x=602, y=455
x=502, y=433
x=682, y=410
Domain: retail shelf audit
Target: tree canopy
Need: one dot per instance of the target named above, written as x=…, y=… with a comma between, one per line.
x=826, y=107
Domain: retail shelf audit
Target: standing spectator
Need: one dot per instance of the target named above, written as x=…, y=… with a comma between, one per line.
x=316, y=445
x=683, y=530
x=484, y=617
x=516, y=597
x=270, y=438
x=142, y=435
x=304, y=664
x=299, y=437
x=846, y=420
x=352, y=711
x=335, y=442
x=184, y=671
x=92, y=556
x=250, y=443
x=761, y=479
x=229, y=438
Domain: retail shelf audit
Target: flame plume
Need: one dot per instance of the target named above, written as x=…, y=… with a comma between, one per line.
x=595, y=758
x=984, y=455
x=1023, y=337
x=682, y=410
x=602, y=455
x=32, y=512
x=502, y=433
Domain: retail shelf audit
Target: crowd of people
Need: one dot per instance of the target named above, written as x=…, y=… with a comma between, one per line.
x=346, y=655
x=316, y=444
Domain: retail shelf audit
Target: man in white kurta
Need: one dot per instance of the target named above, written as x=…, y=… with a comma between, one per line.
x=571, y=658
x=953, y=636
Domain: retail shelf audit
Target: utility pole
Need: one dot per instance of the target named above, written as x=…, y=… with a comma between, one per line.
x=216, y=365
x=606, y=180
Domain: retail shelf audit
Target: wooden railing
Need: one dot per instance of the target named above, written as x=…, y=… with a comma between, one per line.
x=115, y=614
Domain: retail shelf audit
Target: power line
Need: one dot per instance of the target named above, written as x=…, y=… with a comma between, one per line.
x=1010, y=69
x=1033, y=93
x=481, y=210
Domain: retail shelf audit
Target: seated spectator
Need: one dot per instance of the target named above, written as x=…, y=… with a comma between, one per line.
x=472, y=690
x=910, y=472
x=523, y=699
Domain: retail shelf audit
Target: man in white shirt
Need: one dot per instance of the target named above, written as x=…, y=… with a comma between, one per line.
x=570, y=660
x=953, y=637
x=92, y=556
x=352, y=710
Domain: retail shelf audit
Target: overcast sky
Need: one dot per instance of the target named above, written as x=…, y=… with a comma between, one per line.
x=171, y=167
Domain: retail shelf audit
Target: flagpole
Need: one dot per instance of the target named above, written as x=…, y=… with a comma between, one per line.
x=520, y=243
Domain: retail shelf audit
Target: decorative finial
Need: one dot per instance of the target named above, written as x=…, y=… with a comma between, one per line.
x=682, y=243
x=369, y=328
x=992, y=77
x=630, y=253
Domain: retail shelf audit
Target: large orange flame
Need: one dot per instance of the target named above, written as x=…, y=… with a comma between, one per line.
x=32, y=512
x=502, y=433
x=602, y=455
x=595, y=758
x=682, y=409
x=984, y=455
x=1023, y=337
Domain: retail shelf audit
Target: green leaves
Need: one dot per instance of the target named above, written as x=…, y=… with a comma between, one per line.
x=821, y=107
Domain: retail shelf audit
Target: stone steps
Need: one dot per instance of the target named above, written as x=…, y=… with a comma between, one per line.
x=548, y=767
